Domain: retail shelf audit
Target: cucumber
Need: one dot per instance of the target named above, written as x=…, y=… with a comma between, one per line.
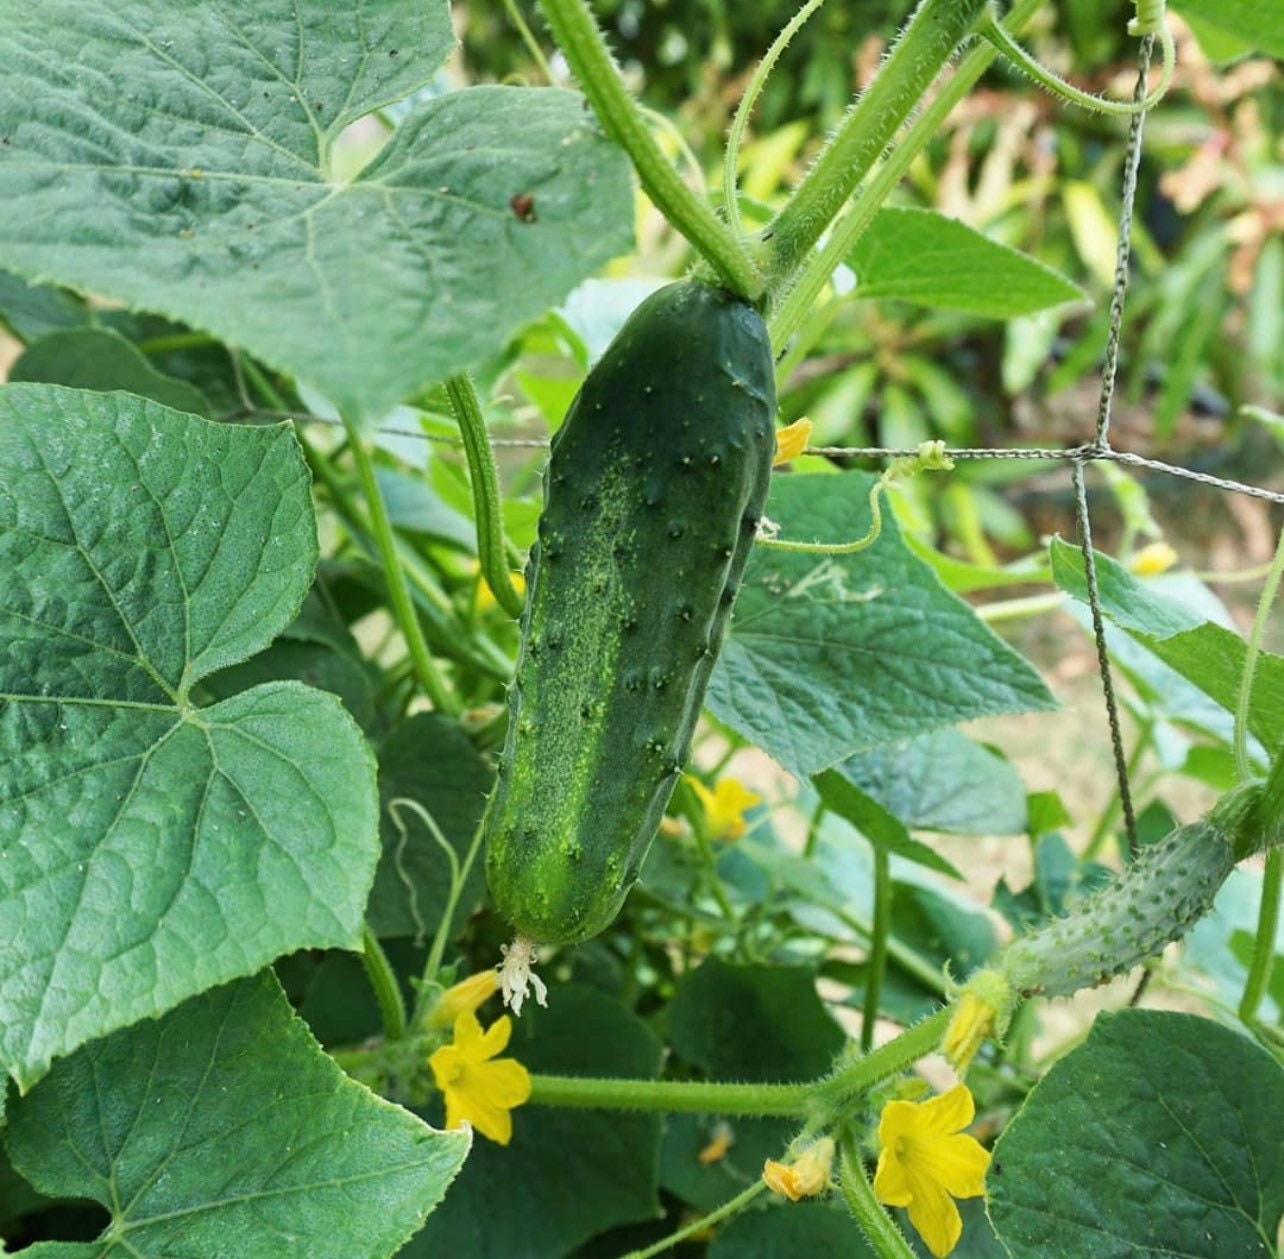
x=652, y=498
x=1167, y=888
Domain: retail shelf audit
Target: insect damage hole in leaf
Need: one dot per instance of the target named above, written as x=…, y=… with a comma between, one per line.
x=150, y=848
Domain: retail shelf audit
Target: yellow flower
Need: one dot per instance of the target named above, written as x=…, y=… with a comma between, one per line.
x=981, y=1009
x=479, y=1091
x=724, y=806
x=806, y=1176
x=792, y=440
x=1158, y=557
x=463, y=997
x=927, y=1161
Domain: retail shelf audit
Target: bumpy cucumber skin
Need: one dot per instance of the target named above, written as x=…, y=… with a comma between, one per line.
x=1169, y=887
x=652, y=498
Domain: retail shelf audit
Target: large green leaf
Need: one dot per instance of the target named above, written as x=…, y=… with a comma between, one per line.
x=1205, y=653
x=149, y=848
x=97, y=358
x=30, y=311
x=831, y=655
x=568, y=1174
x=1258, y=23
x=753, y=1022
x=431, y=761
x=1158, y=1136
x=942, y=782
x=883, y=829
x=223, y=1130
x=791, y=1230
x=921, y=256
x=186, y=167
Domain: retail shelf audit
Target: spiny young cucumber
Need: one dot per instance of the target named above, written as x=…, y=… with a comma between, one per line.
x=652, y=497
x=1156, y=899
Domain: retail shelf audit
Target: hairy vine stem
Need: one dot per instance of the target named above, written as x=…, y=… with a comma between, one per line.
x=584, y=47
x=426, y=671
x=800, y=294
x=879, y=1227
x=488, y=503
x=921, y=51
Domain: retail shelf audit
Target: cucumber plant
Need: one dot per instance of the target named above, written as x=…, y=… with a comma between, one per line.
x=324, y=684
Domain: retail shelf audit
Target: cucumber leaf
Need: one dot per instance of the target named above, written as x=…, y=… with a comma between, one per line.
x=150, y=848
x=224, y=1130
x=1255, y=23
x=1203, y=652
x=943, y=781
x=753, y=1022
x=1159, y=1135
x=97, y=358
x=832, y=655
x=210, y=187
x=920, y=256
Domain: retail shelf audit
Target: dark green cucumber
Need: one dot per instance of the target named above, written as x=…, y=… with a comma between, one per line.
x=1155, y=900
x=652, y=498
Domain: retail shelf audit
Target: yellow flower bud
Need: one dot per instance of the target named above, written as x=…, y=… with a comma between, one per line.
x=981, y=1009
x=806, y=1176
x=463, y=998
x=792, y=440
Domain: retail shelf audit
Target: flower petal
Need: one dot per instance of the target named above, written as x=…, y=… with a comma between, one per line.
x=899, y=1119
x=495, y=1041
x=504, y=1083
x=891, y=1185
x=950, y=1112
x=934, y=1215
x=957, y=1163
x=445, y=1065
x=468, y=1036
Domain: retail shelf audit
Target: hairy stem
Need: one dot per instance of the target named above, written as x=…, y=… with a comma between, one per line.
x=672, y=1096
x=392, y=1008
x=879, y=1228
x=923, y=48
x=800, y=299
x=876, y=966
x=488, y=503
x=426, y=670
x=581, y=41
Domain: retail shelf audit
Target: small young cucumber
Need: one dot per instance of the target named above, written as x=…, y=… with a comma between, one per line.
x=652, y=498
x=1155, y=900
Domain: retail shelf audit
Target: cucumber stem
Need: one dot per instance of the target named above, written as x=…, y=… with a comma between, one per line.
x=426, y=671
x=876, y=965
x=992, y=31
x=582, y=44
x=488, y=502
x=1263, y=961
x=731, y=159
x=672, y=1096
x=392, y=1007
x=921, y=51
x=800, y=298
x=880, y=1230
x=716, y=1216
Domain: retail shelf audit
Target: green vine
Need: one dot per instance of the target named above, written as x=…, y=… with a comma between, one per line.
x=582, y=43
